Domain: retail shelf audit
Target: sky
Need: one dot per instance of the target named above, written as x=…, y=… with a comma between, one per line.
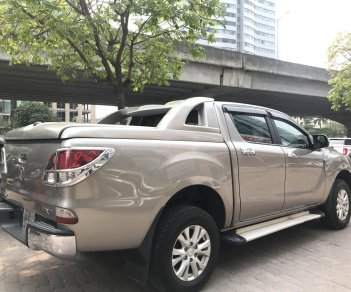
x=306, y=28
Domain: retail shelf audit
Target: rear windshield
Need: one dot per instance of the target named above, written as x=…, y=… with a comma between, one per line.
x=146, y=118
x=347, y=141
x=146, y=121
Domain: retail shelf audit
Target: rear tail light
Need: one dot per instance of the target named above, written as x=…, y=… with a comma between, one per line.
x=345, y=151
x=68, y=166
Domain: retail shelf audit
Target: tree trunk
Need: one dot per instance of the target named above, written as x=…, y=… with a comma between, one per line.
x=119, y=93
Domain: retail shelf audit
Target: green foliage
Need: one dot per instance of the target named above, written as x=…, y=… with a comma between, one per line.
x=126, y=43
x=334, y=129
x=4, y=128
x=319, y=121
x=330, y=128
x=308, y=124
x=31, y=112
x=339, y=56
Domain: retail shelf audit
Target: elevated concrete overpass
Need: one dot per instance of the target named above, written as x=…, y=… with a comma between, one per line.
x=225, y=75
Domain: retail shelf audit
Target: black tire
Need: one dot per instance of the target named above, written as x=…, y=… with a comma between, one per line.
x=334, y=219
x=174, y=222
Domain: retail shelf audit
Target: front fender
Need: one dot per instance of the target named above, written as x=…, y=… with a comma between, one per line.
x=335, y=163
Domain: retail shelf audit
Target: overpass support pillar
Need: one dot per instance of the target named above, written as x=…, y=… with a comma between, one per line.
x=347, y=125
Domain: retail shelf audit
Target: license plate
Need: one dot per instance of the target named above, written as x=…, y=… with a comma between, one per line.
x=27, y=218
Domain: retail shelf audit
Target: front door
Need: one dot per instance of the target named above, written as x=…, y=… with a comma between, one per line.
x=305, y=173
x=261, y=164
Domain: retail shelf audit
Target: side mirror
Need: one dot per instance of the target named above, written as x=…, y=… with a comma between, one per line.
x=320, y=141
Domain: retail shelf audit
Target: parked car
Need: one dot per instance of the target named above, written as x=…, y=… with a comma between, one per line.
x=169, y=181
x=342, y=145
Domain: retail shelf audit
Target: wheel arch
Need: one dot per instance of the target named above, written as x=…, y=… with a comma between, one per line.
x=204, y=197
x=344, y=175
x=201, y=196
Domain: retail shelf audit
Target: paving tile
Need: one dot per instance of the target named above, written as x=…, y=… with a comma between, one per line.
x=304, y=258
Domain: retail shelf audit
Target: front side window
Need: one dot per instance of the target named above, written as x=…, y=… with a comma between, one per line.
x=291, y=136
x=252, y=128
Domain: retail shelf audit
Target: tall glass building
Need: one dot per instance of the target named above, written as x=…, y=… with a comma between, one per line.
x=250, y=27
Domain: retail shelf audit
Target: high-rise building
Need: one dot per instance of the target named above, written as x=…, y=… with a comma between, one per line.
x=250, y=27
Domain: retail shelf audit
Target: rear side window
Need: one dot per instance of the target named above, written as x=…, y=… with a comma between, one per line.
x=252, y=128
x=347, y=141
x=193, y=118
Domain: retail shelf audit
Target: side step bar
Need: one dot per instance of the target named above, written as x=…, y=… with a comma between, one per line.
x=252, y=232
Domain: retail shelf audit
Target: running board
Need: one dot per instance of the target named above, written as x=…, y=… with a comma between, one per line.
x=252, y=232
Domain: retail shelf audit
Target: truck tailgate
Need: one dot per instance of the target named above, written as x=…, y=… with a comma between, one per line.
x=23, y=186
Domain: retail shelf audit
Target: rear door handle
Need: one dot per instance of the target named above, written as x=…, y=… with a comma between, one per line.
x=248, y=151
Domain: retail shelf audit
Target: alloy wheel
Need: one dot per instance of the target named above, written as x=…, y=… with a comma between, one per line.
x=342, y=204
x=191, y=253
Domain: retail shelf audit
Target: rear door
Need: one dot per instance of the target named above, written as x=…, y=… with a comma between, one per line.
x=261, y=162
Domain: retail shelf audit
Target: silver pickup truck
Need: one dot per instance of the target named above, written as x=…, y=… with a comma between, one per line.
x=169, y=181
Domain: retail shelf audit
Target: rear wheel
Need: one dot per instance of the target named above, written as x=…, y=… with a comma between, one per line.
x=338, y=210
x=186, y=249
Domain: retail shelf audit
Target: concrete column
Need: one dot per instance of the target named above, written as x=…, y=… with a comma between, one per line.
x=54, y=108
x=348, y=130
x=347, y=124
x=80, y=113
x=92, y=113
x=67, y=112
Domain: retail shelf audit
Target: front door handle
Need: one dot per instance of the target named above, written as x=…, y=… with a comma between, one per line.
x=292, y=155
x=248, y=151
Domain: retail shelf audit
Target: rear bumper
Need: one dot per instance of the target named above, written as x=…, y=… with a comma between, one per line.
x=36, y=234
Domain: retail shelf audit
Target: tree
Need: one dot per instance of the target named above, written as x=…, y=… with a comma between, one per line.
x=339, y=57
x=126, y=43
x=319, y=121
x=330, y=128
x=307, y=123
x=31, y=112
x=334, y=129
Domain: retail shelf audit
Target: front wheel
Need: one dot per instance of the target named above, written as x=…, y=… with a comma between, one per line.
x=338, y=209
x=185, y=250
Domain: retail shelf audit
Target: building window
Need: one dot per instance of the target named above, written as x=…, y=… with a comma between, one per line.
x=268, y=35
x=227, y=31
x=265, y=18
x=61, y=105
x=73, y=116
x=229, y=5
x=231, y=23
x=230, y=14
x=61, y=116
x=224, y=40
x=248, y=45
x=48, y=104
